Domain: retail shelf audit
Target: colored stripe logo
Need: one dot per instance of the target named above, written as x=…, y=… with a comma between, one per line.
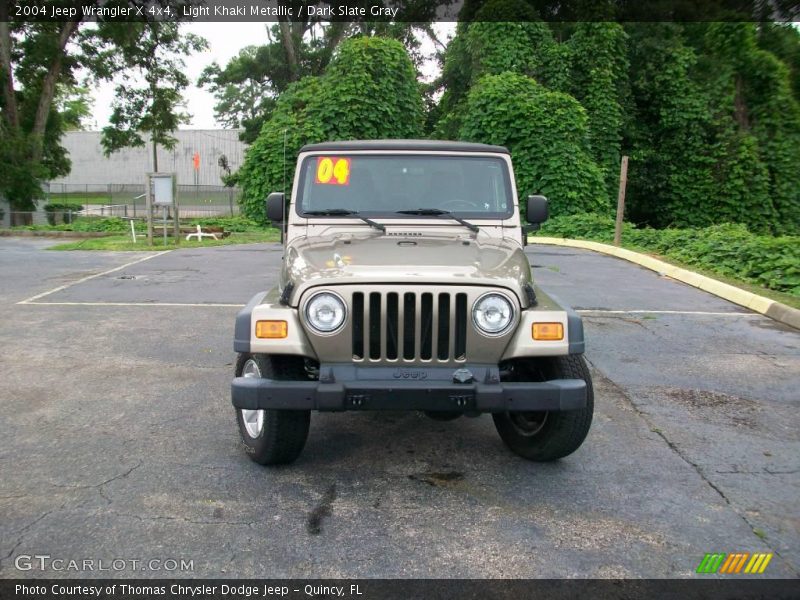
x=736, y=562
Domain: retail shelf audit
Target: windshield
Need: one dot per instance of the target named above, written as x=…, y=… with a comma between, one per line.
x=384, y=185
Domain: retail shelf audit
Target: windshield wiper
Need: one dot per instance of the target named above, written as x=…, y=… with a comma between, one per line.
x=436, y=212
x=343, y=212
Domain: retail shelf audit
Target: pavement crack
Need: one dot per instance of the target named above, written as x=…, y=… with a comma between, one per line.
x=10, y=552
x=672, y=446
x=102, y=483
x=21, y=533
x=145, y=519
x=765, y=470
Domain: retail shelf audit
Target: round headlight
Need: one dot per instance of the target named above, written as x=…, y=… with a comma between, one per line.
x=325, y=312
x=492, y=313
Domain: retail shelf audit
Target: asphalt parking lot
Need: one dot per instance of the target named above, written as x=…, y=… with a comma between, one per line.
x=117, y=437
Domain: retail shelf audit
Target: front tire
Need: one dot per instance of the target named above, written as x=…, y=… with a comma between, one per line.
x=272, y=437
x=546, y=436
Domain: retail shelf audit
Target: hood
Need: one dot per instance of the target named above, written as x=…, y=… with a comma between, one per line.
x=405, y=259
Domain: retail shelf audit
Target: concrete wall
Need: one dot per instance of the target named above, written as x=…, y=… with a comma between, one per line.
x=90, y=166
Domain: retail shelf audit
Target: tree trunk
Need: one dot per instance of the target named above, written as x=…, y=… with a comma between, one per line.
x=155, y=154
x=288, y=45
x=10, y=99
x=740, y=112
x=49, y=89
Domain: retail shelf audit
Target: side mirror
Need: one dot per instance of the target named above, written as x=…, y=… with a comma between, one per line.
x=537, y=209
x=276, y=204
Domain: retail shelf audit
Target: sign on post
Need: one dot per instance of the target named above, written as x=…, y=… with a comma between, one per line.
x=160, y=190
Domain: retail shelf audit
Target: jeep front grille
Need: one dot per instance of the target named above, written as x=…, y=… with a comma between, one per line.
x=409, y=326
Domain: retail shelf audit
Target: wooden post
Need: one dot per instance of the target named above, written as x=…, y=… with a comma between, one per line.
x=148, y=194
x=623, y=182
x=176, y=210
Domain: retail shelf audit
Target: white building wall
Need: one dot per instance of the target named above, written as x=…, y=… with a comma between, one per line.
x=91, y=167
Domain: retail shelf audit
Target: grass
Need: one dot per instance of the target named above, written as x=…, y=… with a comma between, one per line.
x=88, y=198
x=124, y=243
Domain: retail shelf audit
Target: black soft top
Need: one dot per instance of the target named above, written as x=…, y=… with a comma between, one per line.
x=423, y=145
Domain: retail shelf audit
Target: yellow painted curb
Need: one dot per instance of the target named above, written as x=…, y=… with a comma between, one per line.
x=760, y=304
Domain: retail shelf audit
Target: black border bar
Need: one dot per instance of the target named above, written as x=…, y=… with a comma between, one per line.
x=411, y=11
x=402, y=589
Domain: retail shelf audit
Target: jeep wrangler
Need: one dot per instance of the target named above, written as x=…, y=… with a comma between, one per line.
x=404, y=286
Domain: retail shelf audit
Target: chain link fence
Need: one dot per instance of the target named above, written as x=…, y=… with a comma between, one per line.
x=193, y=200
x=116, y=200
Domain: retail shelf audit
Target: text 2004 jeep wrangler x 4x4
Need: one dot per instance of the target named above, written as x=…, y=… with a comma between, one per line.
x=405, y=287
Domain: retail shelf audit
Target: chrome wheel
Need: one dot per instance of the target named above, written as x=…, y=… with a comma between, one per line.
x=253, y=420
x=529, y=423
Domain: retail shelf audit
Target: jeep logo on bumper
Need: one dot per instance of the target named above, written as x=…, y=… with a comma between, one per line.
x=409, y=374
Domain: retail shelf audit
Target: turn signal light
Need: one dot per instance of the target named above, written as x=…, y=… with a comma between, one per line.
x=272, y=329
x=547, y=331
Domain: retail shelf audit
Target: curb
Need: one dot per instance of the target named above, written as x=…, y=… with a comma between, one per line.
x=766, y=306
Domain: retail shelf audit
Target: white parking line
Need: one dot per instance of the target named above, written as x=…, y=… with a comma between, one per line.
x=87, y=278
x=598, y=311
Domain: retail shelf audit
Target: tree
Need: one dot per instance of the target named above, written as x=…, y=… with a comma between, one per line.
x=599, y=80
x=34, y=65
x=521, y=44
x=247, y=87
x=152, y=51
x=368, y=91
x=783, y=40
x=38, y=65
x=547, y=133
x=74, y=105
x=668, y=136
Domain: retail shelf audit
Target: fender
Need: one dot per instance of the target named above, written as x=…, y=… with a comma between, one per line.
x=549, y=310
x=267, y=306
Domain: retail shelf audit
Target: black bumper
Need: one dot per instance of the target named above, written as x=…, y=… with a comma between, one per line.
x=345, y=387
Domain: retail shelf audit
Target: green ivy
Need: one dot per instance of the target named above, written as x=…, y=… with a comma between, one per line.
x=670, y=179
x=521, y=43
x=369, y=91
x=599, y=71
x=518, y=44
x=269, y=162
x=717, y=133
x=547, y=134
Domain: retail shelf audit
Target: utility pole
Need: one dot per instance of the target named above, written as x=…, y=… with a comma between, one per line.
x=623, y=182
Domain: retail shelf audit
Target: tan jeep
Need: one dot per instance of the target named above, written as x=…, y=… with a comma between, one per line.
x=404, y=286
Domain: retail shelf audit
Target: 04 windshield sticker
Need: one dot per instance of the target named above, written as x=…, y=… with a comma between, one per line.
x=333, y=170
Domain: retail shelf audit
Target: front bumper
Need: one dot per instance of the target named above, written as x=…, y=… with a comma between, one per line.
x=346, y=387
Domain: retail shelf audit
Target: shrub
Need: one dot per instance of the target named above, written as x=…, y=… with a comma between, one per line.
x=65, y=209
x=547, y=134
x=100, y=224
x=369, y=91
